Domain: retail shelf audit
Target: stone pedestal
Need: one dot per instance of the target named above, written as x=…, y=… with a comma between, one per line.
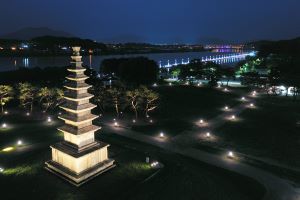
x=79, y=157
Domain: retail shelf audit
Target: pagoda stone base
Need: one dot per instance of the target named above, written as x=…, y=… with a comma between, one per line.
x=79, y=167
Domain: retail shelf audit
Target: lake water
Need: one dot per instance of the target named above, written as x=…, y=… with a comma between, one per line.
x=13, y=63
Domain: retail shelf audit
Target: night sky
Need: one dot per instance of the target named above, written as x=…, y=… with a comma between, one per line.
x=157, y=21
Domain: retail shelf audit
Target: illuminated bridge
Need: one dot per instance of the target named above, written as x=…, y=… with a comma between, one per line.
x=219, y=59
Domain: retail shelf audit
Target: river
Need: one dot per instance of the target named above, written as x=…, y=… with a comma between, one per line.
x=13, y=63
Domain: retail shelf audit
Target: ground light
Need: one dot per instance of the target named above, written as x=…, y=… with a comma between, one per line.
x=154, y=85
x=27, y=114
x=230, y=154
x=151, y=121
x=49, y=119
x=225, y=89
x=6, y=112
x=243, y=98
x=161, y=135
x=199, y=84
x=4, y=125
x=226, y=108
x=133, y=120
x=116, y=124
x=207, y=134
x=201, y=121
x=154, y=164
x=251, y=105
x=19, y=142
x=1, y=169
x=233, y=117
x=7, y=149
x=170, y=84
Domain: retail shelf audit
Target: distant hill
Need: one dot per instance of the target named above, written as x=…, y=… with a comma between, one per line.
x=30, y=32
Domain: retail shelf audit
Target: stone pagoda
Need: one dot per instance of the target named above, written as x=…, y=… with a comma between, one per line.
x=79, y=157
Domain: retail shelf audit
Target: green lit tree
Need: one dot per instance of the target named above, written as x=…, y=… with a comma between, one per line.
x=27, y=95
x=50, y=98
x=6, y=94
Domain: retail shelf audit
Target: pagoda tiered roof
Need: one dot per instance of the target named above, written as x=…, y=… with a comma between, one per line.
x=75, y=108
x=78, y=131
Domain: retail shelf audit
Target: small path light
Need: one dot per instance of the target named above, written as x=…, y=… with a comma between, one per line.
x=226, y=108
x=27, y=114
x=49, y=119
x=116, y=124
x=5, y=112
x=201, y=121
x=133, y=121
x=230, y=154
x=225, y=89
x=19, y=142
x=151, y=121
x=243, y=98
x=251, y=105
x=161, y=135
x=154, y=84
x=1, y=169
x=233, y=117
x=4, y=125
x=154, y=164
x=170, y=84
x=207, y=134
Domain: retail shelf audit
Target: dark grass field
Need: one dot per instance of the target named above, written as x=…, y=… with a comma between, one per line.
x=25, y=178
x=181, y=106
x=272, y=130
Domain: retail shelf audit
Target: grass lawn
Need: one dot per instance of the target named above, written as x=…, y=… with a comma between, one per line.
x=181, y=106
x=271, y=131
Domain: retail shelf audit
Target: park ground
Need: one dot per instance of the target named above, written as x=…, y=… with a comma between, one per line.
x=264, y=134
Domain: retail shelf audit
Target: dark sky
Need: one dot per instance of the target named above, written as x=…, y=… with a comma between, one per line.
x=157, y=21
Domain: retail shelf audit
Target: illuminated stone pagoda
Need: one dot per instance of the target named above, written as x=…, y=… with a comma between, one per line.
x=79, y=157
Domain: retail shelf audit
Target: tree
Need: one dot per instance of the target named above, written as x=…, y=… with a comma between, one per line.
x=134, y=99
x=27, y=95
x=116, y=95
x=50, y=98
x=101, y=97
x=150, y=99
x=6, y=94
x=228, y=73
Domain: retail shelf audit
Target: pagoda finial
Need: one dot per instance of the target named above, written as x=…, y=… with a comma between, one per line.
x=76, y=51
